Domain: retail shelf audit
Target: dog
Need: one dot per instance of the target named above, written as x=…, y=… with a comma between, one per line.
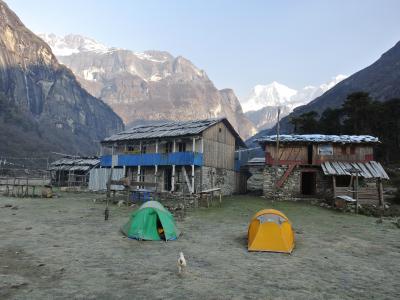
x=181, y=264
x=120, y=203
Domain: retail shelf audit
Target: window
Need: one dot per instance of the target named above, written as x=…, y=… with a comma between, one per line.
x=343, y=181
x=352, y=150
x=344, y=150
x=142, y=175
x=182, y=147
x=131, y=149
x=168, y=147
x=220, y=129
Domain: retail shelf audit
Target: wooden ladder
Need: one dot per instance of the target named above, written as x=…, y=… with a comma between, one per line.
x=285, y=175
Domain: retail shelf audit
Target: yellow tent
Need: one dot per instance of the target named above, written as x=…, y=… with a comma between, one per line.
x=270, y=230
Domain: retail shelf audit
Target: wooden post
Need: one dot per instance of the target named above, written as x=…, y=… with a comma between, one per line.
x=276, y=162
x=27, y=187
x=155, y=174
x=277, y=138
x=138, y=175
x=334, y=187
x=173, y=169
x=356, y=190
x=194, y=150
x=381, y=199
x=156, y=166
x=110, y=175
x=201, y=167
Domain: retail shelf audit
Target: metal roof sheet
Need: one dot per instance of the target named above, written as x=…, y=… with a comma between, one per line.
x=170, y=129
x=256, y=161
x=319, y=138
x=68, y=163
x=371, y=169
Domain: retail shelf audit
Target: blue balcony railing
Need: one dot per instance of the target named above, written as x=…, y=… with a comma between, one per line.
x=151, y=159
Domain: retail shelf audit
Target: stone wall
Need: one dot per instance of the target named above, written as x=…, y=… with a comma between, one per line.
x=324, y=186
x=291, y=189
x=217, y=178
x=256, y=180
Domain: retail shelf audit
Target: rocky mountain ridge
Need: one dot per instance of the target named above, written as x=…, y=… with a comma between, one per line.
x=44, y=107
x=150, y=85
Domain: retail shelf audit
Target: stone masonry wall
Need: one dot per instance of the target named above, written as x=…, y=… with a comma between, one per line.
x=289, y=190
x=256, y=180
x=218, y=177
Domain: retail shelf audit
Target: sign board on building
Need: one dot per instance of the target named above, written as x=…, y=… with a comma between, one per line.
x=325, y=149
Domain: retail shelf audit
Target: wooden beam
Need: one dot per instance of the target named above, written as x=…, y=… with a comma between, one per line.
x=380, y=190
x=173, y=179
x=334, y=186
x=190, y=188
x=194, y=150
x=173, y=169
x=156, y=166
x=138, y=174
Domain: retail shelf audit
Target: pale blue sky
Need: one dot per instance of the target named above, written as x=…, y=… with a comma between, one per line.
x=238, y=43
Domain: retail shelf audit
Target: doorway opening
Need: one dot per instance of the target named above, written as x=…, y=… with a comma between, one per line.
x=310, y=153
x=167, y=179
x=308, y=183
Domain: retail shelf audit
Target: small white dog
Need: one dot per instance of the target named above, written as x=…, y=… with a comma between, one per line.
x=120, y=203
x=181, y=263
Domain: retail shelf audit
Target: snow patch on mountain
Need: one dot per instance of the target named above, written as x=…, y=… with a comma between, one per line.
x=92, y=73
x=146, y=56
x=72, y=43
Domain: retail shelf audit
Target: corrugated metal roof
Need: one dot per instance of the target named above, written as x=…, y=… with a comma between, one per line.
x=319, y=138
x=170, y=129
x=370, y=169
x=74, y=164
x=256, y=161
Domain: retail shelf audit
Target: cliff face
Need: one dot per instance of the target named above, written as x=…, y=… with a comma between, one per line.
x=148, y=86
x=44, y=106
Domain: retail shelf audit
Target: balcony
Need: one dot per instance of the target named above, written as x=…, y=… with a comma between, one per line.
x=151, y=159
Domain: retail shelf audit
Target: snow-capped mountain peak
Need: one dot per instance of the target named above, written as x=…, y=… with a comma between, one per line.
x=277, y=94
x=273, y=94
x=260, y=106
x=72, y=43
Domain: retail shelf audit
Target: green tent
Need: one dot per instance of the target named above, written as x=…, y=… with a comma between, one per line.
x=146, y=223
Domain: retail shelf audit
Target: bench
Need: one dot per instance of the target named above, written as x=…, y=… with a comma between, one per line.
x=209, y=194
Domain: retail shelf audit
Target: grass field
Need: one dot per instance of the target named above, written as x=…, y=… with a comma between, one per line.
x=63, y=249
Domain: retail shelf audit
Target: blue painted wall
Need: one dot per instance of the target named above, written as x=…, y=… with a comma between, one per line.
x=151, y=159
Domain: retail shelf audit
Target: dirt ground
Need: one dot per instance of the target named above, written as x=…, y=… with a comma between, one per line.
x=63, y=249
